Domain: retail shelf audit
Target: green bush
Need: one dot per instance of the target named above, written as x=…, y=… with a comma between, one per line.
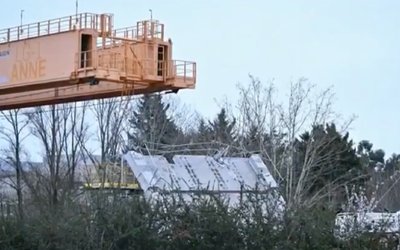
x=118, y=222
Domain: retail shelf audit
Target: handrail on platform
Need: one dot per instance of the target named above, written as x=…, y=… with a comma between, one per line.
x=99, y=22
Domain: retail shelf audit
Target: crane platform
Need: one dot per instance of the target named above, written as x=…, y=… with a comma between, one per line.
x=82, y=57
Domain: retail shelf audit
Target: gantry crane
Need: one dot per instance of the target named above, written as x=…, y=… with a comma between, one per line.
x=81, y=57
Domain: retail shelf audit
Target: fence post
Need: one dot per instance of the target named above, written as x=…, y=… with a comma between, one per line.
x=70, y=24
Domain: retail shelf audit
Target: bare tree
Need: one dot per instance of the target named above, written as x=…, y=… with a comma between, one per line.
x=294, y=119
x=260, y=124
x=74, y=136
x=61, y=130
x=181, y=113
x=13, y=134
x=275, y=128
x=110, y=114
x=257, y=117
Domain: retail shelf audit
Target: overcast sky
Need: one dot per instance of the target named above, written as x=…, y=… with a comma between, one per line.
x=351, y=45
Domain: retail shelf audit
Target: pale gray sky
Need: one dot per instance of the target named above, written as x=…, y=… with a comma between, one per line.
x=353, y=45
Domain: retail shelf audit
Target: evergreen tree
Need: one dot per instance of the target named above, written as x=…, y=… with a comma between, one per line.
x=222, y=129
x=370, y=158
x=253, y=140
x=151, y=127
x=393, y=163
x=200, y=139
x=364, y=147
x=203, y=132
x=334, y=158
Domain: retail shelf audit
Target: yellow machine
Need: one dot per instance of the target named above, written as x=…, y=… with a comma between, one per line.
x=111, y=176
x=82, y=57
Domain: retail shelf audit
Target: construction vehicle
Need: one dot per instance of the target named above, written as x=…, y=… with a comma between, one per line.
x=82, y=57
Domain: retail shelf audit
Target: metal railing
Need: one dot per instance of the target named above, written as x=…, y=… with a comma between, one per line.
x=107, y=42
x=84, y=60
x=131, y=67
x=149, y=29
x=143, y=30
x=184, y=69
x=111, y=185
x=99, y=22
x=127, y=32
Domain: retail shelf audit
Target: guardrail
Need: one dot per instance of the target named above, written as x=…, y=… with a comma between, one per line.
x=99, y=22
x=143, y=30
x=107, y=42
x=115, y=61
x=84, y=60
x=148, y=29
x=184, y=69
x=111, y=185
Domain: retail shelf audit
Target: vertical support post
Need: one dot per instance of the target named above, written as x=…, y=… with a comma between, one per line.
x=84, y=59
x=125, y=57
x=102, y=25
x=194, y=70
x=171, y=66
x=122, y=171
x=152, y=33
x=145, y=30
x=110, y=23
x=92, y=21
x=94, y=58
x=184, y=71
x=241, y=195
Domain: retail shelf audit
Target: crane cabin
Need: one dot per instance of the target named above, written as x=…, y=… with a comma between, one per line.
x=82, y=57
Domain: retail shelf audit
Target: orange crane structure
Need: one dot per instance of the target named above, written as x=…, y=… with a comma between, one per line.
x=82, y=57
